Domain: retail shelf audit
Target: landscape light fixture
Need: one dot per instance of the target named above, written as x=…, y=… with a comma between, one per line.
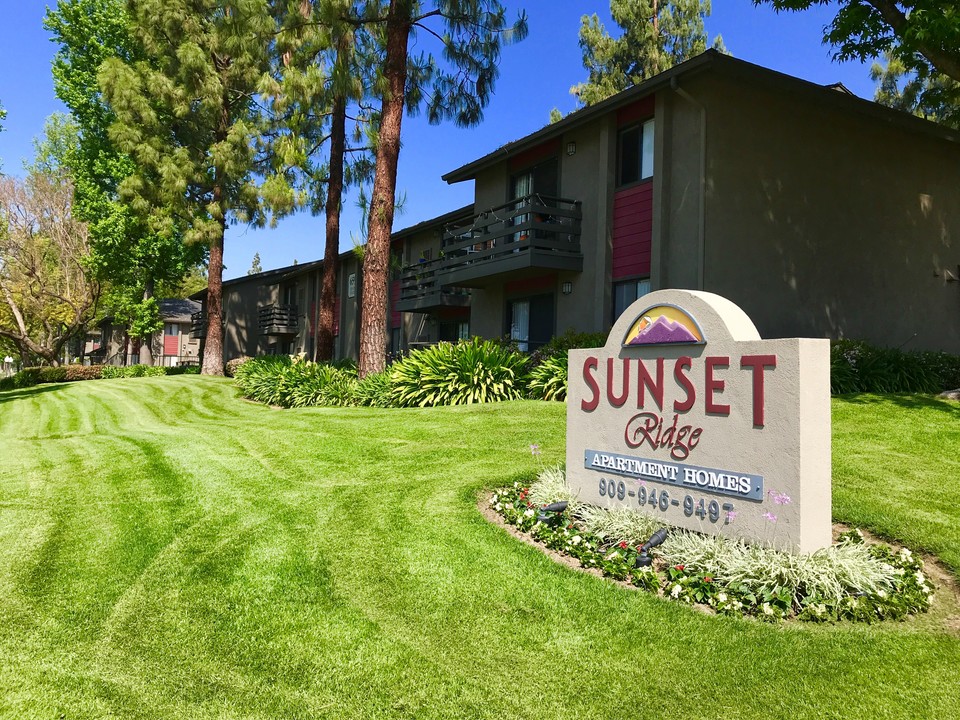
x=571, y=148
x=550, y=514
x=643, y=559
x=566, y=288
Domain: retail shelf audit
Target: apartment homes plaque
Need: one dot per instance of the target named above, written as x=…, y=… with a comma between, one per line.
x=687, y=415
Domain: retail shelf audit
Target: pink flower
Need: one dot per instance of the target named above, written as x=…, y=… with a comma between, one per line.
x=535, y=450
x=770, y=517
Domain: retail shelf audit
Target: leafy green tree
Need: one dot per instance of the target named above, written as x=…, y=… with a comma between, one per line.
x=188, y=116
x=471, y=33
x=128, y=257
x=921, y=38
x=934, y=97
x=255, y=267
x=655, y=36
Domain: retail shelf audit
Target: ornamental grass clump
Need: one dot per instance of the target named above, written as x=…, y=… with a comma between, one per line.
x=374, y=390
x=618, y=524
x=828, y=574
x=262, y=379
x=551, y=487
x=548, y=380
x=470, y=371
x=308, y=384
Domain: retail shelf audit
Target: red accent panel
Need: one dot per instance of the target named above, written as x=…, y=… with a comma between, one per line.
x=336, y=315
x=642, y=109
x=531, y=156
x=171, y=344
x=394, y=299
x=530, y=285
x=632, y=230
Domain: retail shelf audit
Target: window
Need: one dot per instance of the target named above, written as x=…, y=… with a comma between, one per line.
x=635, y=153
x=625, y=293
x=171, y=329
x=530, y=321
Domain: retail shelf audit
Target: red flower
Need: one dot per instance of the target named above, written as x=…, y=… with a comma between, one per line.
x=707, y=578
x=622, y=545
x=678, y=567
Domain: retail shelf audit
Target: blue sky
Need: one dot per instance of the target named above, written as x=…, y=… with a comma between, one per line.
x=536, y=75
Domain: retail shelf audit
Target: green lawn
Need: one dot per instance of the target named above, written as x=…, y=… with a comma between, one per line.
x=167, y=550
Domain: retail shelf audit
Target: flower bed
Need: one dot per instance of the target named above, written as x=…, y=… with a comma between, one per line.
x=852, y=580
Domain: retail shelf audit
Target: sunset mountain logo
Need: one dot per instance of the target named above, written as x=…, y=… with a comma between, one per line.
x=664, y=325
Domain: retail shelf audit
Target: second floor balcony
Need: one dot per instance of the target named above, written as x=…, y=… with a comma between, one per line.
x=530, y=233
x=420, y=291
x=198, y=325
x=281, y=320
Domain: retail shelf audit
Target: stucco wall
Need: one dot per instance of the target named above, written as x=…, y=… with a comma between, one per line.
x=824, y=223
x=241, y=303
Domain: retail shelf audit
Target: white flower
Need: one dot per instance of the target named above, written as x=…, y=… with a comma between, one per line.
x=905, y=553
x=676, y=590
x=721, y=597
x=509, y=506
x=498, y=507
x=767, y=610
x=528, y=513
x=576, y=540
x=493, y=499
x=920, y=578
x=881, y=593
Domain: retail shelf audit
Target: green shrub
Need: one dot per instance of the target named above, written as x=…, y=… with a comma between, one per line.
x=309, y=384
x=570, y=340
x=374, y=390
x=856, y=366
x=83, y=372
x=548, y=380
x=28, y=377
x=230, y=369
x=109, y=372
x=472, y=371
x=6, y=383
x=261, y=379
x=52, y=374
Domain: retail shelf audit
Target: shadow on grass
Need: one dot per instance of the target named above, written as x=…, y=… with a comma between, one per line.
x=9, y=395
x=908, y=402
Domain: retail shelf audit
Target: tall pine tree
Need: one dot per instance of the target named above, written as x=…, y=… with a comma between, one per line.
x=188, y=117
x=470, y=34
x=132, y=261
x=656, y=35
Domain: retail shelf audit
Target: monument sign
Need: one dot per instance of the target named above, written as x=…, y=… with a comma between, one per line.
x=687, y=415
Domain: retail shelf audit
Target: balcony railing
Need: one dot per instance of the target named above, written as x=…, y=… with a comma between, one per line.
x=420, y=291
x=278, y=320
x=530, y=232
x=198, y=325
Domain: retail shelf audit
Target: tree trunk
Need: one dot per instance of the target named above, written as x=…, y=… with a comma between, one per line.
x=373, y=317
x=213, y=349
x=332, y=251
x=146, y=352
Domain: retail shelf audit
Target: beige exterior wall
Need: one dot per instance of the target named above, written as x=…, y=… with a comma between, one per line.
x=822, y=223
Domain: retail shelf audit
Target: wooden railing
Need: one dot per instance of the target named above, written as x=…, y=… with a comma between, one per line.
x=525, y=225
x=278, y=320
x=198, y=325
x=419, y=285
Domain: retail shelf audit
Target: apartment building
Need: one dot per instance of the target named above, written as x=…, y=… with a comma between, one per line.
x=819, y=213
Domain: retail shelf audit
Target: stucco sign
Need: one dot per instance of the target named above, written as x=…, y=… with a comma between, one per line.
x=687, y=415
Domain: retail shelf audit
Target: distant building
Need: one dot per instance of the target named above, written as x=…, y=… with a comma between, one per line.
x=170, y=347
